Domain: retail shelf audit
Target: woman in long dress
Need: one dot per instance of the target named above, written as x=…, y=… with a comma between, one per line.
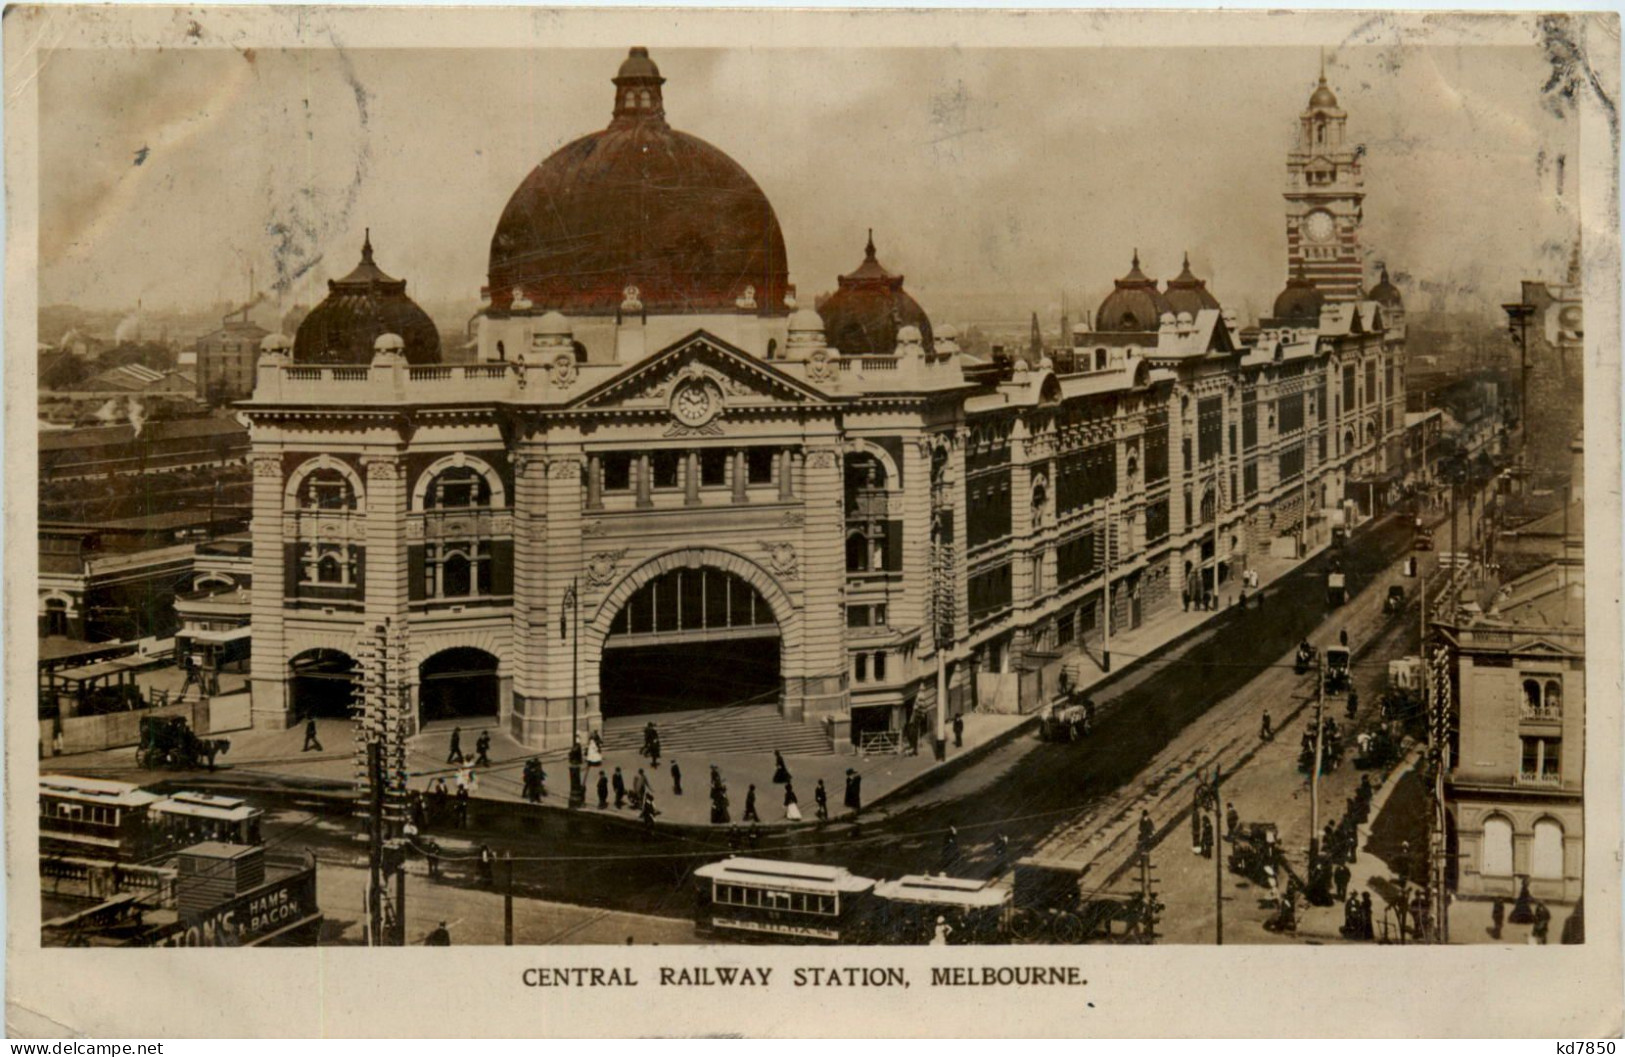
x=792, y=808
x=595, y=750
x=781, y=773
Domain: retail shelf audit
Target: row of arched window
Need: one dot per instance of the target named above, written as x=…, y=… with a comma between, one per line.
x=469, y=485
x=1545, y=850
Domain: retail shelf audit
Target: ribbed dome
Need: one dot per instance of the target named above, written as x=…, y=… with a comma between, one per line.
x=357, y=310
x=639, y=204
x=1135, y=305
x=1300, y=302
x=1187, y=293
x=1386, y=293
x=864, y=315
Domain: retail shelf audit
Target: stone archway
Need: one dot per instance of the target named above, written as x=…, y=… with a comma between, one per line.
x=459, y=683
x=691, y=630
x=322, y=684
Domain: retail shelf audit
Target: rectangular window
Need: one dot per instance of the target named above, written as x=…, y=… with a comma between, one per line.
x=1249, y=418
x=1209, y=428
x=860, y=667
x=759, y=465
x=880, y=667
x=1156, y=521
x=713, y=468
x=1249, y=478
x=1371, y=381
x=1348, y=388
x=1291, y=462
x=617, y=473
x=1156, y=447
x=1289, y=413
x=1541, y=758
x=857, y=616
x=664, y=466
x=1065, y=629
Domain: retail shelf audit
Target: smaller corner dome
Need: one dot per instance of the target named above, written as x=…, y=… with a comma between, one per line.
x=278, y=344
x=1135, y=303
x=1187, y=294
x=1386, y=293
x=866, y=313
x=1300, y=302
x=360, y=308
x=1323, y=99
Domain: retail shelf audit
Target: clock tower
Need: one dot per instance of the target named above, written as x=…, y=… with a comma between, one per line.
x=1324, y=193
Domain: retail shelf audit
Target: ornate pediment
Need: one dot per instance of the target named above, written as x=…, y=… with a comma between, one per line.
x=697, y=381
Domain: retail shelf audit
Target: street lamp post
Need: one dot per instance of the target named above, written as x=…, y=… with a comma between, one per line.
x=578, y=789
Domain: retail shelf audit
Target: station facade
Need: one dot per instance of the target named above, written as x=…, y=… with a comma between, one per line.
x=666, y=484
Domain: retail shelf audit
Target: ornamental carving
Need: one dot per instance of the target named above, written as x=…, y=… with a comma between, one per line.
x=782, y=559
x=710, y=429
x=564, y=370
x=268, y=466
x=601, y=567
x=822, y=459
x=563, y=469
x=414, y=528
x=594, y=528
x=793, y=519
x=820, y=368
x=383, y=470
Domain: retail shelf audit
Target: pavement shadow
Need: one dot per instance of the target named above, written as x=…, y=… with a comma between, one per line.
x=1403, y=820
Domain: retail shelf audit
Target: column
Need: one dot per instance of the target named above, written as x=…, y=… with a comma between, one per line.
x=784, y=461
x=815, y=674
x=642, y=470
x=740, y=475
x=532, y=609
x=270, y=705
x=595, y=484
x=691, y=479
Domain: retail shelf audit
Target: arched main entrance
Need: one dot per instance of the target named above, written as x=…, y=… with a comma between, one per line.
x=455, y=684
x=690, y=638
x=322, y=685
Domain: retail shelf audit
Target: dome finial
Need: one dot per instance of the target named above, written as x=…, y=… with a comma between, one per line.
x=1323, y=64
x=1136, y=258
x=869, y=247
x=1187, y=260
x=366, y=246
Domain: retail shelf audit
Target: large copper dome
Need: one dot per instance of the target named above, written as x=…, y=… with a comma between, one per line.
x=639, y=204
x=357, y=311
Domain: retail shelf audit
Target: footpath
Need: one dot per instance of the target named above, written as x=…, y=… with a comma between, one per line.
x=278, y=760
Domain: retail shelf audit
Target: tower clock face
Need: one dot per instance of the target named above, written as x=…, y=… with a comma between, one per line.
x=1319, y=226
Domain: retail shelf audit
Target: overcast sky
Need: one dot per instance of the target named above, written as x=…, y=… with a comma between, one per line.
x=1017, y=172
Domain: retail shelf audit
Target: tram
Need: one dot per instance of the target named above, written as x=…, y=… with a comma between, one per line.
x=189, y=818
x=110, y=821
x=783, y=901
x=907, y=910
x=94, y=818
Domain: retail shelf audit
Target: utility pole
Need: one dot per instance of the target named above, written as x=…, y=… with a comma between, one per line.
x=1106, y=593
x=1314, y=772
x=400, y=900
x=572, y=602
x=1218, y=863
x=507, y=898
x=375, y=844
x=942, y=632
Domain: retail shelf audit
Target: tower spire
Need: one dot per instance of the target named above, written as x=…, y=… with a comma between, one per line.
x=869, y=247
x=366, y=246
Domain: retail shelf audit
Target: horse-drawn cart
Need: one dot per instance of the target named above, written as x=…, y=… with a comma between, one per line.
x=168, y=742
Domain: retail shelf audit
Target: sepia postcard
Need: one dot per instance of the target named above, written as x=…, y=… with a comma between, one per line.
x=914, y=523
